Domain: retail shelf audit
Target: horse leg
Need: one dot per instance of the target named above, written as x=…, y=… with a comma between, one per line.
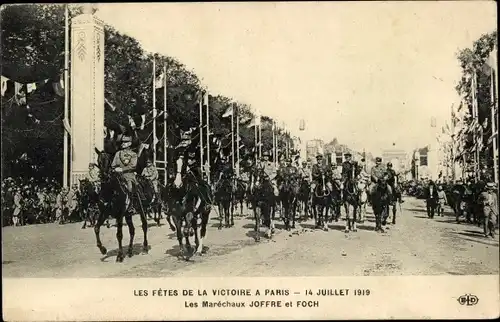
x=294, y=207
x=325, y=216
x=394, y=210
x=97, y=230
x=221, y=214
x=119, y=237
x=131, y=230
x=85, y=217
x=347, y=218
x=257, y=214
x=354, y=218
x=232, y=216
x=227, y=212
x=144, y=221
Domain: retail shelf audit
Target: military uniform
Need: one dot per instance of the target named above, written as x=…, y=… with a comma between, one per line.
x=270, y=170
x=61, y=202
x=377, y=173
x=391, y=179
x=73, y=197
x=17, y=207
x=151, y=173
x=317, y=170
x=350, y=170
x=305, y=173
x=489, y=201
x=126, y=161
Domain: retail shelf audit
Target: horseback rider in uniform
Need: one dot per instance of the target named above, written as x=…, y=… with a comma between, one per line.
x=225, y=171
x=192, y=177
x=348, y=166
x=151, y=173
x=378, y=172
x=289, y=172
x=391, y=180
x=125, y=162
x=318, y=169
x=305, y=172
x=270, y=171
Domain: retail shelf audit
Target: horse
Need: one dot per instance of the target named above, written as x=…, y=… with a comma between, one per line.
x=380, y=200
x=396, y=196
x=89, y=201
x=288, y=196
x=224, y=200
x=304, y=197
x=321, y=203
x=351, y=196
x=262, y=199
x=189, y=204
x=114, y=199
x=240, y=191
x=336, y=202
x=363, y=200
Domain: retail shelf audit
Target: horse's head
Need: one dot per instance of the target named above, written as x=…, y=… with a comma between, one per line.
x=103, y=161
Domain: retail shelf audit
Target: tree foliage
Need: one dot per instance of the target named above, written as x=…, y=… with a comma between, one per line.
x=33, y=50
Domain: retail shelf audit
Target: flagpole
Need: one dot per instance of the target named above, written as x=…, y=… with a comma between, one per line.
x=66, y=167
x=274, y=146
x=232, y=139
x=200, y=105
x=208, y=140
x=154, y=110
x=260, y=137
x=165, y=136
x=235, y=110
x=476, y=119
x=452, y=144
x=494, y=107
x=256, y=142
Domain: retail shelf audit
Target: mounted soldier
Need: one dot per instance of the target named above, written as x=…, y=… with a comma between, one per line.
x=289, y=172
x=150, y=173
x=319, y=169
x=225, y=170
x=378, y=172
x=350, y=170
x=391, y=180
x=270, y=171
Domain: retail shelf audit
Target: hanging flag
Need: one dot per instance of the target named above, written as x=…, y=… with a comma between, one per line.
x=255, y=121
x=31, y=87
x=302, y=125
x=160, y=81
x=59, y=87
x=205, y=98
x=433, y=122
x=228, y=112
x=4, y=84
x=110, y=105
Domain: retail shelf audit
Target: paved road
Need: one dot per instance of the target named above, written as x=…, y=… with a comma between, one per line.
x=415, y=246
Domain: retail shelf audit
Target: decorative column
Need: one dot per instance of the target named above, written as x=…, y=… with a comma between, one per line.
x=87, y=92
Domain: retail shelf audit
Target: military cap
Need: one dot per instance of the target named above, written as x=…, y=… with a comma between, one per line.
x=319, y=155
x=191, y=154
x=348, y=154
x=389, y=164
x=378, y=159
x=126, y=139
x=491, y=185
x=265, y=154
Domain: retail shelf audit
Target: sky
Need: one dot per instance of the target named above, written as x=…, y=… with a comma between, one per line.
x=368, y=73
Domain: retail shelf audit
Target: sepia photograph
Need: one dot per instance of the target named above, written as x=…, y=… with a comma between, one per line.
x=249, y=139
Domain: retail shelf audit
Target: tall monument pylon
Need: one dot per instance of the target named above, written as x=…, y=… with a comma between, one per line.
x=87, y=92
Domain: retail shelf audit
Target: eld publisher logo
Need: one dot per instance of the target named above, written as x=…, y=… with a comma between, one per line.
x=468, y=299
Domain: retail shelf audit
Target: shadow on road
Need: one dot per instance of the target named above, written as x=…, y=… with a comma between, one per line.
x=476, y=238
x=136, y=250
x=416, y=209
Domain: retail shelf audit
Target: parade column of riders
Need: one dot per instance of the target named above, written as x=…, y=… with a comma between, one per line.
x=57, y=207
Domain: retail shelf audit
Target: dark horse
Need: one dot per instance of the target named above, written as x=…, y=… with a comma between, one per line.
x=240, y=191
x=288, y=196
x=262, y=199
x=396, y=196
x=351, y=196
x=224, y=198
x=380, y=200
x=115, y=200
x=89, y=199
x=321, y=200
x=336, y=201
x=189, y=205
x=304, y=198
